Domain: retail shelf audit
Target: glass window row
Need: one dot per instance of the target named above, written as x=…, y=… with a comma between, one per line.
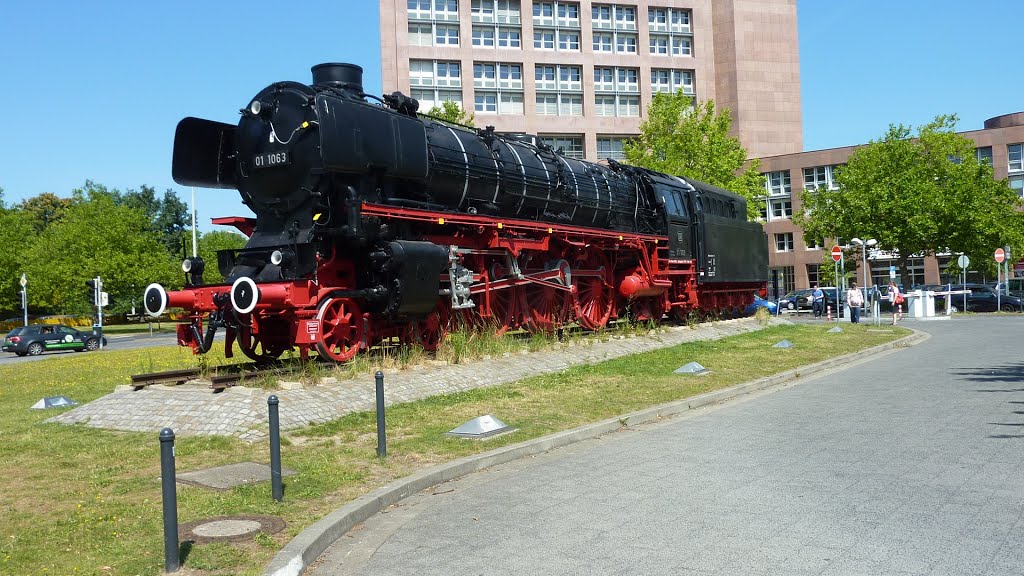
x=557, y=14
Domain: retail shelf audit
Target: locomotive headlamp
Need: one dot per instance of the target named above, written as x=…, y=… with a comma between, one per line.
x=279, y=257
x=193, y=267
x=186, y=265
x=257, y=108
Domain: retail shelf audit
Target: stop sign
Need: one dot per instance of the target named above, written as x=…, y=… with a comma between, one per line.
x=1000, y=255
x=837, y=253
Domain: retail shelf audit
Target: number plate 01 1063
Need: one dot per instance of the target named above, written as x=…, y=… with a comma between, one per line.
x=271, y=159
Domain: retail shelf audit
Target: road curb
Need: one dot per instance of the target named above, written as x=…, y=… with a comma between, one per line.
x=312, y=542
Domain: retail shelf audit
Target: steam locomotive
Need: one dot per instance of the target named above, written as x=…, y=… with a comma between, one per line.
x=375, y=224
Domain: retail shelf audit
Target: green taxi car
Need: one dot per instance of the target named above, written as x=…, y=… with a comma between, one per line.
x=38, y=338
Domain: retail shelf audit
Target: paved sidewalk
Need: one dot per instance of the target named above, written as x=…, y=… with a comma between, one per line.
x=910, y=463
x=241, y=411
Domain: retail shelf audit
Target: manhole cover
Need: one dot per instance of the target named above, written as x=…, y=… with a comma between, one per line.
x=229, y=528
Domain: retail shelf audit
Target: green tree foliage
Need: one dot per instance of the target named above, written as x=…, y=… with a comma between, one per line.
x=16, y=228
x=917, y=196
x=827, y=271
x=210, y=243
x=97, y=236
x=44, y=209
x=452, y=113
x=693, y=141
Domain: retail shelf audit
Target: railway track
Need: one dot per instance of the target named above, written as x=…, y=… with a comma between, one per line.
x=232, y=376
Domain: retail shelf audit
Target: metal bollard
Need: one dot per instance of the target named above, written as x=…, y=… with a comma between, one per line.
x=382, y=441
x=277, y=489
x=172, y=558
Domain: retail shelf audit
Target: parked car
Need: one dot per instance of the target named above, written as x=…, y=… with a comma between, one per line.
x=983, y=298
x=1015, y=285
x=35, y=339
x=759, y=302
x=796, y=300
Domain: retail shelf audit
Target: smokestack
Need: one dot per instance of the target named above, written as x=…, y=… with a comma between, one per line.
x=345, y=76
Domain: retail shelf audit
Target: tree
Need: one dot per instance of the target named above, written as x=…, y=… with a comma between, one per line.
x=452, y=113
x=917, y=196
x=44, y=209
x=17, y=233
x=680, y=139
x=210, y=243
x=97, y=237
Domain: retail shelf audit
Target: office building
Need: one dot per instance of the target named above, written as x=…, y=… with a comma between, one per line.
x=581, y=74
x=795, y=264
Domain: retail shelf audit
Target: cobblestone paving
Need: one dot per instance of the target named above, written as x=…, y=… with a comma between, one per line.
x=192, y=410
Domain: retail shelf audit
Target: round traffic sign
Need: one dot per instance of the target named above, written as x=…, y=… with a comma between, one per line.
x=837, y=253
x=963, y=261
x=1000, y=255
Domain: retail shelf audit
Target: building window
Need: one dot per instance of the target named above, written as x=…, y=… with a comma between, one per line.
x=781, y=209
x=507, y=37
x=544, y=39
x=777, y=183
x=670, y=32
x=571, y=145
x=433, y=34
x=429, y=98
x=568, y=41
x=984, y=155
x=820, y=177
x=434, y=73
x=436, y=10
x=611, y=147
x=616, y=79
x=1014, y=151
x=559, y=90
x=496, y=11
x=625, y=43
x=1017, y=184
x=499, y=88
x=671, y=81
x=556, y=24
x=784, y=242
x=673, y=20
x=814, y=274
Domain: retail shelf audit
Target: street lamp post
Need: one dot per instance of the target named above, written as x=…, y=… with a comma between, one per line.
x=864, y=251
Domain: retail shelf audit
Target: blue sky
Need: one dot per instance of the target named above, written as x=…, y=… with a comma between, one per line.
x=94, y=90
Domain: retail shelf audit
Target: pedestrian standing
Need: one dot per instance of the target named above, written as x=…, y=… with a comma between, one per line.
x=896, y=300
x=854, y=299
x=817, y=301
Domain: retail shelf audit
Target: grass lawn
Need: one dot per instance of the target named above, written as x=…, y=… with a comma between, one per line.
x=77, y=500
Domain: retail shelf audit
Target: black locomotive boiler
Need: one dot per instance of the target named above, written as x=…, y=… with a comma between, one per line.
x=374, y=223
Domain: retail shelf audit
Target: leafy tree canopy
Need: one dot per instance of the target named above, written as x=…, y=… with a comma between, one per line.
x=96, y=237
x=452, y=113
x=917, y=196
x=210, y=243
x=44, y=209
x=681, y=139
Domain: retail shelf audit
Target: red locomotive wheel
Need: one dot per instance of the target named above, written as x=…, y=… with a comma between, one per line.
x=430, y=331
x=253, y=345
x=544, y=308
x=593, y=296
x=340, y=329
x=504, y=311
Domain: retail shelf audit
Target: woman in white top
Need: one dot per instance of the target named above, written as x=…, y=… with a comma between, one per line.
x=896, y=299
x=855, y=300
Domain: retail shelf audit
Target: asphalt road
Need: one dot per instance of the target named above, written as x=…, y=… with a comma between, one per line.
x=114, y=342
x=909, y=463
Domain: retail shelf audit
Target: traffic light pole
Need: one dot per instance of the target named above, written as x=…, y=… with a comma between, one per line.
x=24, y=302
x=99, y=308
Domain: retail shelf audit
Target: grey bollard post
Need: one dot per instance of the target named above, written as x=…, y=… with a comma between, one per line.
x=382, y=441
x=275, y=450
x=172, y=559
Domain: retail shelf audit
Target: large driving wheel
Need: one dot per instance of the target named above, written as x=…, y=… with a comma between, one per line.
x=252, y=344
x=340, y=329
x=593, y=294
x=430, y=331
x=545, y=308
x=504, y=310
